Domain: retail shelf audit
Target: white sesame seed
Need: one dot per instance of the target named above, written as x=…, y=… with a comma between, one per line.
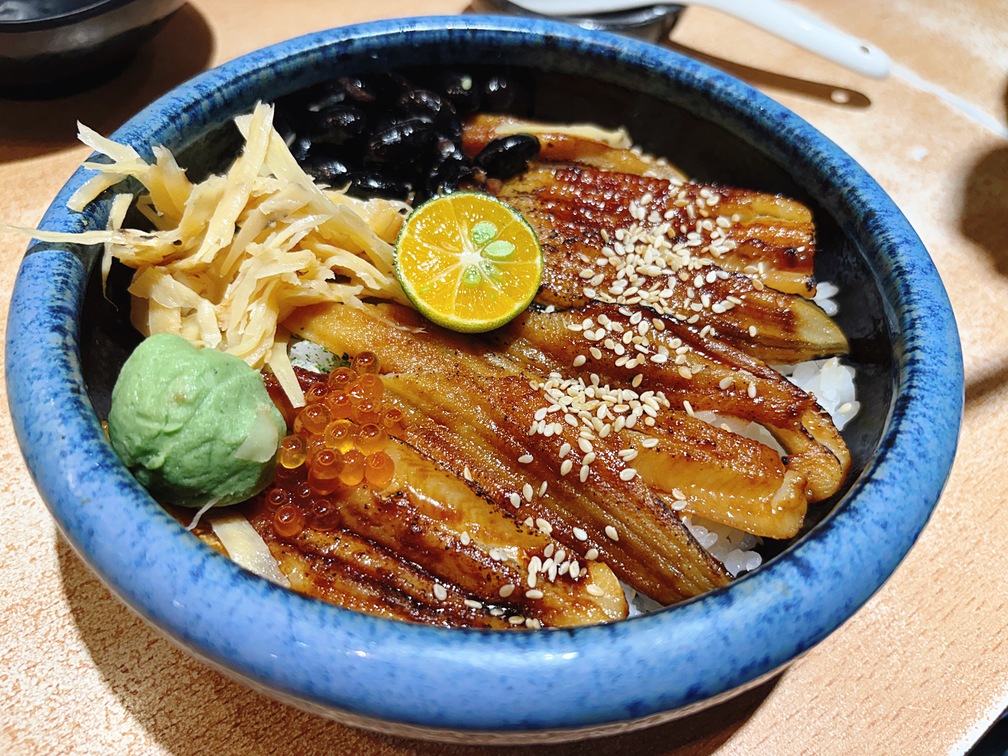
x=566, y=466
x=592, y=554
x=465, y=539
x=544, y=526
x=611, y=533
x=534, y=594
x=580, y=360
x=466, y=473
x=627, y=474
x=580, y=534
x=439, y=592
x=516, y=619
x=515, y=500
x=575, y=569
x=473, y=604
x=584, y=473
x=594, y=590
x=527, y=492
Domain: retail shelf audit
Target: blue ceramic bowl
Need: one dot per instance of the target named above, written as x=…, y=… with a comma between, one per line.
x=523, y=686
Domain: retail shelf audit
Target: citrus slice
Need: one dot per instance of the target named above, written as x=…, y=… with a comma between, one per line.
x=468, y=262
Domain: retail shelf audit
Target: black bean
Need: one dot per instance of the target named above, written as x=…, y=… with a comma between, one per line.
x=336, y=124
x=420, y=101
x=460, y=89
x=300, y=148
x=358, y=89
x=328, y=170
x=449, y=168
x=326, y=100
x=379, y=184
x=429, y=104
x=374, y=88
x=401, y=141
x=507, y=156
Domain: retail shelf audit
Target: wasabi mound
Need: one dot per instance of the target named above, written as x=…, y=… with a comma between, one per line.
x=195, y=426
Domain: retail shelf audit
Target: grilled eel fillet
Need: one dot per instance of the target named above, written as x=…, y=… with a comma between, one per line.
x=592, y=252
x=391, y=552
x=697, y=375
x=608, y=151
x=702, y=253
x=473, y=404
x=383, y=552
x=473, y=415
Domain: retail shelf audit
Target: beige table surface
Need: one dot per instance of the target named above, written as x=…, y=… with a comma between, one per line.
x=922, y=668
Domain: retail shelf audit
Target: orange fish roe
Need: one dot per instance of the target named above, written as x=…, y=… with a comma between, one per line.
x=353, y=468
x=365, y=362
x=341, y=379
x=288, y=521
x=393, y=420
x=337, y=442
x=292, y=452
x=378, y=469
x=371, y=438
x=340, y=434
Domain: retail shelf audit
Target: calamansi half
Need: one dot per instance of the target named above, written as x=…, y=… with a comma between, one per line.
x=468, y=261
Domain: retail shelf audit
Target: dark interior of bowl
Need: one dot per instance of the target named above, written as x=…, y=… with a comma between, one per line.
x=703, y=149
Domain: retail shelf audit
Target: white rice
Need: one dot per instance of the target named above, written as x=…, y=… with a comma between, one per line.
x=308, y=355
x=831, y=383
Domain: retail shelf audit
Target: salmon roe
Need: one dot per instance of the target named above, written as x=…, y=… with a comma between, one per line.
x=338, y=440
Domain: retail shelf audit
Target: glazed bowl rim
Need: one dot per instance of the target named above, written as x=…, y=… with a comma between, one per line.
x=335, y=660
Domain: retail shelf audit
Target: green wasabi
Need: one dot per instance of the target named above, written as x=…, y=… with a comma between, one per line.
x=195, y=426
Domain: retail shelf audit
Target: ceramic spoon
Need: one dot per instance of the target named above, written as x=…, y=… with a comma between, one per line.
x=784, y=20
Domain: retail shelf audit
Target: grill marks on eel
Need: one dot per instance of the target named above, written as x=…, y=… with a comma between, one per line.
x=470, y=412
x=391, y=552
x=717, y=246
x=470, y=403
x=717, y=276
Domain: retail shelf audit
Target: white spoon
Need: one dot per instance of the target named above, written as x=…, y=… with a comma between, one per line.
x=775, y=16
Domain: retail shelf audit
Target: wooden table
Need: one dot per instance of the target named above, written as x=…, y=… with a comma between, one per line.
x=922, y=668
